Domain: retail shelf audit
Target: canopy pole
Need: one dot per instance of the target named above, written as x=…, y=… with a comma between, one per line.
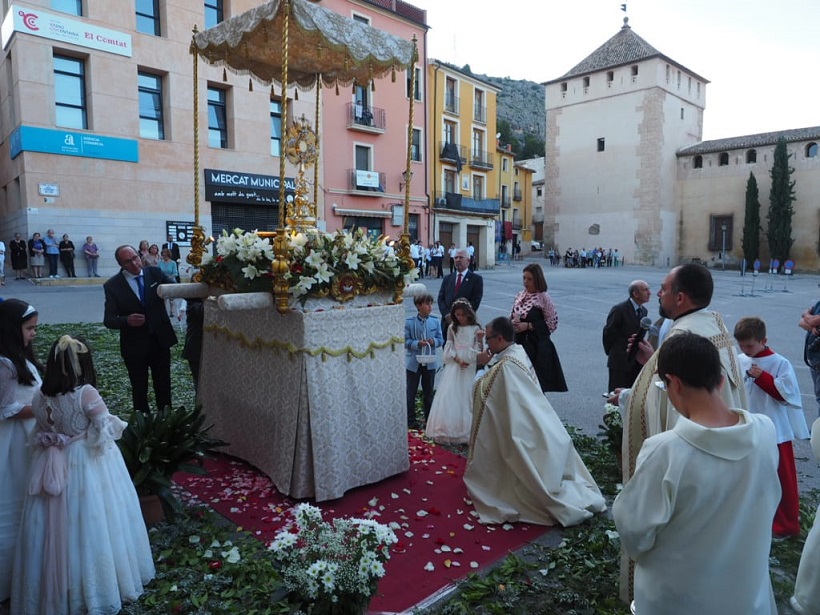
x=281, y=263
x=198, y=240
x=404, y=249
x=315, y=211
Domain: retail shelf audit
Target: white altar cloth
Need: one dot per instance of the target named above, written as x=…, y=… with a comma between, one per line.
x=316, y=425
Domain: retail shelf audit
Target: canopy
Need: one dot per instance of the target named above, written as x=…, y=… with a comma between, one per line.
x=320, y=42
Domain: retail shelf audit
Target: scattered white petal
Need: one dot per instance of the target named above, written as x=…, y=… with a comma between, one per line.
x=473, y=564
x=507, y=527
x=459, y=511
x=193, y=540
x=393, y=525
x=544, y=571
x=458, y=550
x=467, y=526
x=456, y=564
x=408, y=534
x=486, y=548
x=612, y=535
x=429, y=567
x=422, y=513
x=445, y=548
x=407, y=491
x=425, y=535
x=395, y=496
x=373, y=502
x=437, y=551
x=234, y=509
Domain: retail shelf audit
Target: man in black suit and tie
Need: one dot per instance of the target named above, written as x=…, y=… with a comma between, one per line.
x=624, y=321
x=146, y=334
x=461, y=283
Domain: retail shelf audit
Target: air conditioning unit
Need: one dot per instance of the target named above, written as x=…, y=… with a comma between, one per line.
x=441, y=202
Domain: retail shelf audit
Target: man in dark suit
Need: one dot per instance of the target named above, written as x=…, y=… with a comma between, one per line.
x=173, y=246
x=461, y=283
x=623, y=321
x=146, y=334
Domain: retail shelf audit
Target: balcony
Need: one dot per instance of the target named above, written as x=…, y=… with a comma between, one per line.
x=516, y=224
x=480, y=115
x=517, y=194
x=451, y=104
x=505, y=202
x=450, y=152
x=366, y=119
x=454, y=201
x=366, y=182
x=481, y=160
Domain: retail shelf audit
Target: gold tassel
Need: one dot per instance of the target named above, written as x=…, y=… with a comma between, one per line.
x=372, y=86
x=272, y=90
x=337, y=87
x=295, y=93
x=224, y=75
x=393, y=74
x=354, y=86
x=250, y=84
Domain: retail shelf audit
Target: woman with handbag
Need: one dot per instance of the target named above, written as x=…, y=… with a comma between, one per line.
x=534, y=318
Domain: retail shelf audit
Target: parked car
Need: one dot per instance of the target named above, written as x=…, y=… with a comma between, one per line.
x=536, y=246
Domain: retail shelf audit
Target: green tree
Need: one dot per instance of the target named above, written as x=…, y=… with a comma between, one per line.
x=751, y=223
x=534, y=147
x=506, y=135
x=781, y=198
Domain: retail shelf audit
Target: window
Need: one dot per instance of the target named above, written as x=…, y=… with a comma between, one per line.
x=505, y=164
x=678, y=79
x=418, y=84
x=751, y=156
x=152, y=125
x=362, y=155
x=811, y=150
x=450, y=100
x=698, y=88
x=450, y=133
x=214, y=13
x=361, y=18
x=564, y=90
x=720, y=227
x=450, y=181
x=72, y=7
x=479, y=110
x=361, y=96
x=601, y=144
x=478, y=146
x=69, y=92
x=586, y=85
x=275, y=128
x=667, y=73
x=217, y=118
x=148, y=17
x=415, y=146
x=634, y=71
x=681, y=113
x=698, y=161
x=539, y=192
x=374, y=227
x=478, y=187
x=610, y=77
x=723, y=159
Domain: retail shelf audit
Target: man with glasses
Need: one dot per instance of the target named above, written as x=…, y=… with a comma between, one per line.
x=133, y=306
x=684, y=297
x=622, y=323
x=522, y=465
x=697, y=514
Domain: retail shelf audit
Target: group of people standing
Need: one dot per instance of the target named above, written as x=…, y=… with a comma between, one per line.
x=29, y=258
x=522, y=465
x=594, y=257
x=72, y=536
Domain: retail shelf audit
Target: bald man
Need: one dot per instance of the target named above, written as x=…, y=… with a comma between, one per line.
x=622, y=322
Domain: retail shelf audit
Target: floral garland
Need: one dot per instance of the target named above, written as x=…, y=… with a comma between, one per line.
x=341, y=264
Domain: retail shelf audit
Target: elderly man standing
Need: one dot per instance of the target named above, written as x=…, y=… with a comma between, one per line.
x=522, y=464
x=623, y=322
x=684, y=297
x=461, y=283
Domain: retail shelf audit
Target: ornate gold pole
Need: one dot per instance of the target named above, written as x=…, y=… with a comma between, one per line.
x=281, y=263
x=198, y=241
x=315, y=211
x=404, y=249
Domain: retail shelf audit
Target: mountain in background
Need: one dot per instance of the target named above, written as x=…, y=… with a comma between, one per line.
x=521, y=115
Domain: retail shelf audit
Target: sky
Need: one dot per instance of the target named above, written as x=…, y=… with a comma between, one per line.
x=761, y=57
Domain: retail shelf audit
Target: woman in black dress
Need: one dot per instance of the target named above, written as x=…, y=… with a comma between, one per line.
x=535, y=318
x=67, y=256
x=19, y=256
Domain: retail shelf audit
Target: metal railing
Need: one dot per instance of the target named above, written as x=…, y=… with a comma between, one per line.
x=363, y=181
x=481, y=159
x=451, y=104
x=366, y=117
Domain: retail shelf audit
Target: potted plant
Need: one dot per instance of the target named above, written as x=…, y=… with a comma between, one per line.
x=156, y=445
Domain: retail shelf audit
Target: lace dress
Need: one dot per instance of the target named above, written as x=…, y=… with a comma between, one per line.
x=15, y=459
x=451, y=413
x=83, y=545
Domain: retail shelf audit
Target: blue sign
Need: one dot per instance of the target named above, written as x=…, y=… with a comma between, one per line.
x=65, y=143
x=756, y=264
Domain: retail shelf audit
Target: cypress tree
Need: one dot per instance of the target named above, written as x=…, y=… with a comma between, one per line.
x=781, y=198
x=751, y=223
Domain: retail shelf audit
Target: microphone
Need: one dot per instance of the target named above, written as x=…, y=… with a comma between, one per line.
x=646, y=323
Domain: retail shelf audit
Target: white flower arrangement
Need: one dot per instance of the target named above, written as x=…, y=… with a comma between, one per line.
x=328, y=563
x=337, y=263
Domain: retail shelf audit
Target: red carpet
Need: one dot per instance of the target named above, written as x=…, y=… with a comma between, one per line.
x=440, y=539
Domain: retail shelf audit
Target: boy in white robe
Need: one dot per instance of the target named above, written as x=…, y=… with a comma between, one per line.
x=806, y=598
x=772, y=389
x=696, y=515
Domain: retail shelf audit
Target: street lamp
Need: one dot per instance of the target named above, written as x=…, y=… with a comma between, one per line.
x=723, y=250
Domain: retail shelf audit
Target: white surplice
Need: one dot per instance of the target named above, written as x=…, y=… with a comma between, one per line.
x=522, y=464
x=697, y=519
x=806, y=599
x=787, y=415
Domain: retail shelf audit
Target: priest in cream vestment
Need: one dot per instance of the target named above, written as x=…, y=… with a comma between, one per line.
x=522, y=464
x=684, y=295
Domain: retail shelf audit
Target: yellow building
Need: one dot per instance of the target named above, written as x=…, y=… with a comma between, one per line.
x=464, y=185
